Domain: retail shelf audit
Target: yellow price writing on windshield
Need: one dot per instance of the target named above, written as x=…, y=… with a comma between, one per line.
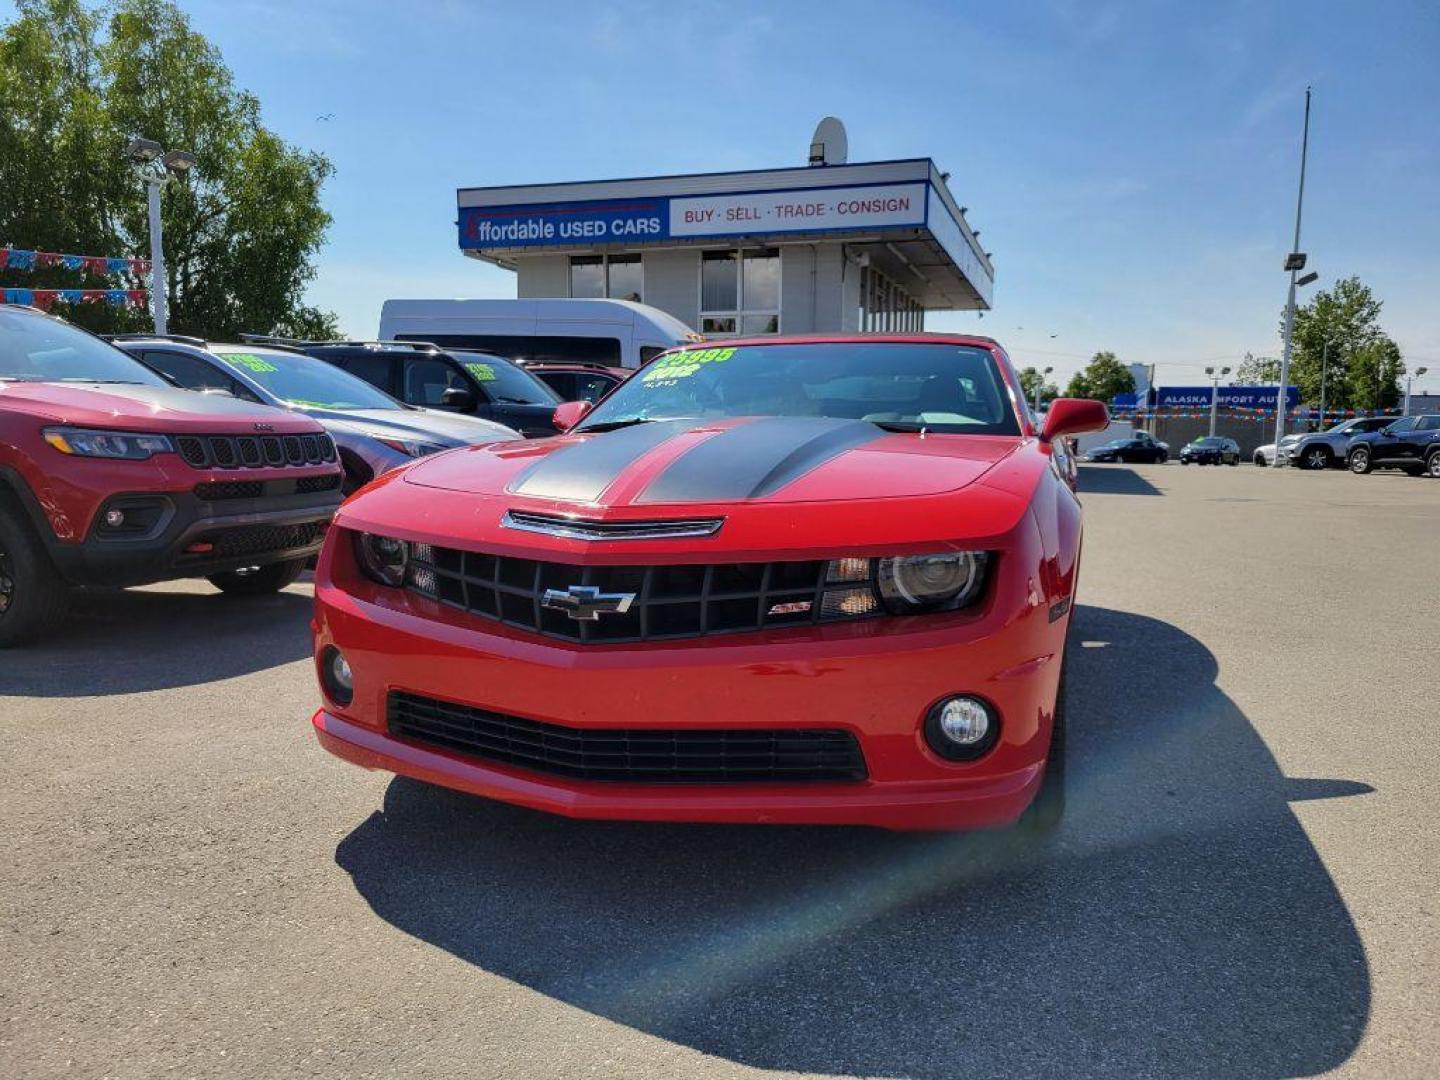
x=683, y=364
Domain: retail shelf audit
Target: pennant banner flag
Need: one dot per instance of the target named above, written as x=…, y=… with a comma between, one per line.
x=20, y=259
x=44, y=299
x=1238, y=412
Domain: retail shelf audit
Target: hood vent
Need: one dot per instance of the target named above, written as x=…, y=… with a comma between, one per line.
x=570, y=528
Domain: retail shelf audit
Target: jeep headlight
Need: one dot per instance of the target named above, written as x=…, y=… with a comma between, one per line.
x=118, y=445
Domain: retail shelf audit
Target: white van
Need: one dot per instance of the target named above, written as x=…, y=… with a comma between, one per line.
x=620, y=333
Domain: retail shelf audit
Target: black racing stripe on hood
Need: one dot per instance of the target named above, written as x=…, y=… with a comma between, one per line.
x=756, y=459
x=581, y=471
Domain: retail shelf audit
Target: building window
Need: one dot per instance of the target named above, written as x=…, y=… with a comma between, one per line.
x=620, y=277
x=885, y=306
x=740, y=292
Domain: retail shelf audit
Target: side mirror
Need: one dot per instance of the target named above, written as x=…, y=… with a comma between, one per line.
x=457, y=397
x=1074, y=416
x=569, y=414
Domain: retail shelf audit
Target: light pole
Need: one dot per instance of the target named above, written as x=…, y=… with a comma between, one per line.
x=156, y=167
x=1294, y=262
x=1215, y=393
x=1408, y=380
x=1040, y=386
x=1324, y=367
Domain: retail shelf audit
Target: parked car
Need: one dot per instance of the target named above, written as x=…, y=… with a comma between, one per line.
x=620, y=333
x=1329, y=449
x=456, y=380
x=1411, y=444
x=517, y=622
x=373, y=431
x=109, y=476
x=1142, y=447
x=1211, y=450
x=1264, y=456
x=579, y=382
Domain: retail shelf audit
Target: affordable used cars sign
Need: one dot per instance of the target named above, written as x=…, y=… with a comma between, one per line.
x=638, y=220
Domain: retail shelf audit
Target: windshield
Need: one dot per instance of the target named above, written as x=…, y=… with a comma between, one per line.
x=942, y=388
x=37, y=348
x=305, y=381
x=1210, y=442
x=505, y=382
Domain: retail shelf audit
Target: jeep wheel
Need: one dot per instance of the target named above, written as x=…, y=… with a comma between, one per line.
x=261, y=580
x=33, y=596
x=1360, y=461
x=1043, y=816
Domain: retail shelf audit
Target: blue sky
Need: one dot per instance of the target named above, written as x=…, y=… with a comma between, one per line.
x=1131, y=166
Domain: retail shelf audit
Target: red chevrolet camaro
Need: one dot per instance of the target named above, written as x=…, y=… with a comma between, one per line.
x=801, y=580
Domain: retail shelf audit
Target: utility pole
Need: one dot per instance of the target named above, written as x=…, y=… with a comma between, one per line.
x=1324, y=366
x=1039, y=387
x=1409, y=379
x=1295, y=262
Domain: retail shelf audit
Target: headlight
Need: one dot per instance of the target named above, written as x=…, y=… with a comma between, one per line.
x=122, y=445
x=382, y=558
x=931, y=582
x=409, y=447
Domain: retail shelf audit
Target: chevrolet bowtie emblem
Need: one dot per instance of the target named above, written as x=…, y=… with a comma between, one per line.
x=587, y=602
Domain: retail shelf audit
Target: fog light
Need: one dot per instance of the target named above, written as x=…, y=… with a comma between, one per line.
x=114, y=518
x=961, y=727
x=336, y=677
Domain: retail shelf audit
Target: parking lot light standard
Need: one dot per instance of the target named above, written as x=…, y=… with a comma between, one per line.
x=1409, y=381
x=1215, y=393
x=156, y=167
x=1294, y=262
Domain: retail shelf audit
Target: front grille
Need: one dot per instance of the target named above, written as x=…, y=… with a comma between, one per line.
x=309, y=484
x=668, y=601
x=641, y=755
x=230, y=489
x=263, y=539
x=253, y=451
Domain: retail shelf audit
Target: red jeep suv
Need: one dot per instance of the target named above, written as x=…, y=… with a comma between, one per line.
x=110, y=476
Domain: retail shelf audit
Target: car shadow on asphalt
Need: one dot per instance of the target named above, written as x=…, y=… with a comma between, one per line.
x=1180, y=923
x=124, y=641
x=1113, y=480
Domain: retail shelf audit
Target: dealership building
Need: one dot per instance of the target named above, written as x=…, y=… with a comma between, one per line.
x=820, y=248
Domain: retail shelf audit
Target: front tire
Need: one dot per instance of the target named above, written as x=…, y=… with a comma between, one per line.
x=34, y=598
x=262, y=581
x=1316, y=458
x=1360, y=463
x=1258, y=459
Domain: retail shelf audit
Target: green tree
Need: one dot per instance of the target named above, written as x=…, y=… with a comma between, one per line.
x=1102, y=379
x=240, y=229
x=1339, y=331
x=1032, y=381
x=1257, y=371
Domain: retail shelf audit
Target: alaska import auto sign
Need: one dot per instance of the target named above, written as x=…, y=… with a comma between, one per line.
x=619, y=221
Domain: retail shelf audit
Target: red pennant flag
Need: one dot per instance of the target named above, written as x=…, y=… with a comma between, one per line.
x=44, y=298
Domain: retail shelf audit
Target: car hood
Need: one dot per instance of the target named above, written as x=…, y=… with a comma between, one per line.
x=689, y=462
x=136, y=407
x=426, y=425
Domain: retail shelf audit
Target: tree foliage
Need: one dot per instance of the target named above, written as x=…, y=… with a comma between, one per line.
x=1102, y=379
x=1033, y=382
x=1362, y=366
x=1257, y=371
x=240, y=229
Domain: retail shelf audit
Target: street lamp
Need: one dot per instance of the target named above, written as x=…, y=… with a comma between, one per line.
x=1040, y=385
x=1409, y=379
x=1294, y=263
x=1215, y=392
x=156, y=167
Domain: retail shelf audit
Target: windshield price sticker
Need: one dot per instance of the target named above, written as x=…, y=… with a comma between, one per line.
x=250, y=362
x=481, y=372
x=682, y=365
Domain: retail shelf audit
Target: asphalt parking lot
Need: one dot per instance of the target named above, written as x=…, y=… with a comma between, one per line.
x=1247, y=885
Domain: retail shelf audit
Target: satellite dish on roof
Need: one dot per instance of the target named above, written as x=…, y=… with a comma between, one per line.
x=829, y=146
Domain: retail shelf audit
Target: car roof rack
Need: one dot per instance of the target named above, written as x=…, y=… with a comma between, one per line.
x=183, y=339
x=302, y=343
x=594, y=365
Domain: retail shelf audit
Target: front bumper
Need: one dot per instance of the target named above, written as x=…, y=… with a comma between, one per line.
x=875, y=678
x=195, y=537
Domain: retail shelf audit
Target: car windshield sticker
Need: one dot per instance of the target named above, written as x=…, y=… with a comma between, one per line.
x=250, y=362
x=681, y=365
x=481, y=372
